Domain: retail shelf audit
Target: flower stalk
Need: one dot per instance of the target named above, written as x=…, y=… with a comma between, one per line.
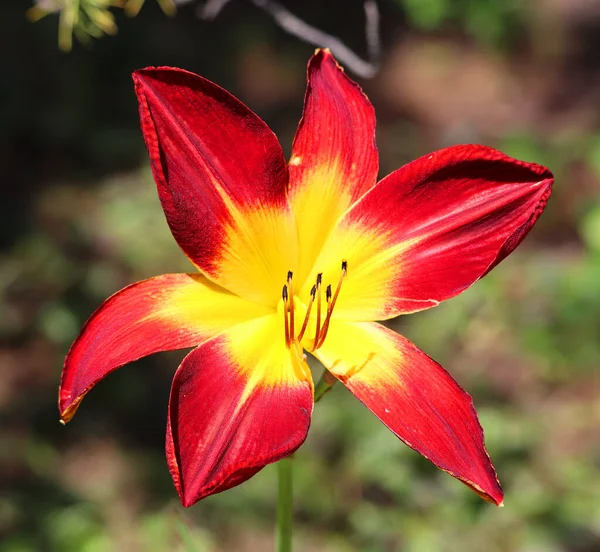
x=284, y=505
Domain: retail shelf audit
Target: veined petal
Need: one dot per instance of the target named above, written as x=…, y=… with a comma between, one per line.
x=334, y=156
x=413, y=396
x=221, y=179
x=240, y=401
x=168, y=312
x=431, y=229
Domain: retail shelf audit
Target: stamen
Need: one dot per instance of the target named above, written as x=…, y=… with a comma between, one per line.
x=284, y=296
x=318, y=328
x=331, y=304
x=313, y=293
x=291, y=307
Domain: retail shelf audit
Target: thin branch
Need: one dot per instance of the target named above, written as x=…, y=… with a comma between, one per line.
x=48, y=5
x=372, y=30
x=302, y=30
x=210, y=9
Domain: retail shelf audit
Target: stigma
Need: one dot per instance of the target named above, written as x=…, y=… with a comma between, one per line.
x=323, y=310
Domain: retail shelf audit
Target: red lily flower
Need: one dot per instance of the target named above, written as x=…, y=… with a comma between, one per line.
x=346, y=249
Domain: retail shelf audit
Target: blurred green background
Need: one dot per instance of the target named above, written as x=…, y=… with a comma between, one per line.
x=79, y=219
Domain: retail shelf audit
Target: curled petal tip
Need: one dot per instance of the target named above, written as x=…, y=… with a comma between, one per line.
x=186, y=501
x=493, y=496
x=67, y=408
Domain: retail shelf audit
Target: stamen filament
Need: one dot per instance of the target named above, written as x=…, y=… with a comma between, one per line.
x=284, y=296
x=313, y=293
x=318, y=328
x=331, y=304
x=291, y=307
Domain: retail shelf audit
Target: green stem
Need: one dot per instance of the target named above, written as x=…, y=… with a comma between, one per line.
x=324, y=385
x=284, y=505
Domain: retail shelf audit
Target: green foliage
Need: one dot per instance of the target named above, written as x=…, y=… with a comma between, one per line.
x=590, y=229
x=489, y=22
x=427, y=14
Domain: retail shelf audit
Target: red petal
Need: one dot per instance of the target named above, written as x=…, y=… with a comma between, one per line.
x=334, y=156
x=415, y=397
x=168, y=312
x=431, y=229
x=240, y=401
x=215, y=163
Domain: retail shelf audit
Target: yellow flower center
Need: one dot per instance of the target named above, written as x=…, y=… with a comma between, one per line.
x=322, y=320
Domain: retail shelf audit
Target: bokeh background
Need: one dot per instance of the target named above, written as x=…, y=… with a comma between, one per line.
x=79, y=219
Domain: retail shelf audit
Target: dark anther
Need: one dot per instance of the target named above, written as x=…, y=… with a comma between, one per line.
x=284, y=294
x=328, y=293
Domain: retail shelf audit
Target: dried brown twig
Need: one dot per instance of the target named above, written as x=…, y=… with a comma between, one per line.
x=302, y=30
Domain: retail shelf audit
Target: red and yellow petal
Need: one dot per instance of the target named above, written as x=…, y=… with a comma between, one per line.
x=414, y=397
x=172, y=311
x=240, y=401
x=334, y=156
x=222, y=181
x=431, y=229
